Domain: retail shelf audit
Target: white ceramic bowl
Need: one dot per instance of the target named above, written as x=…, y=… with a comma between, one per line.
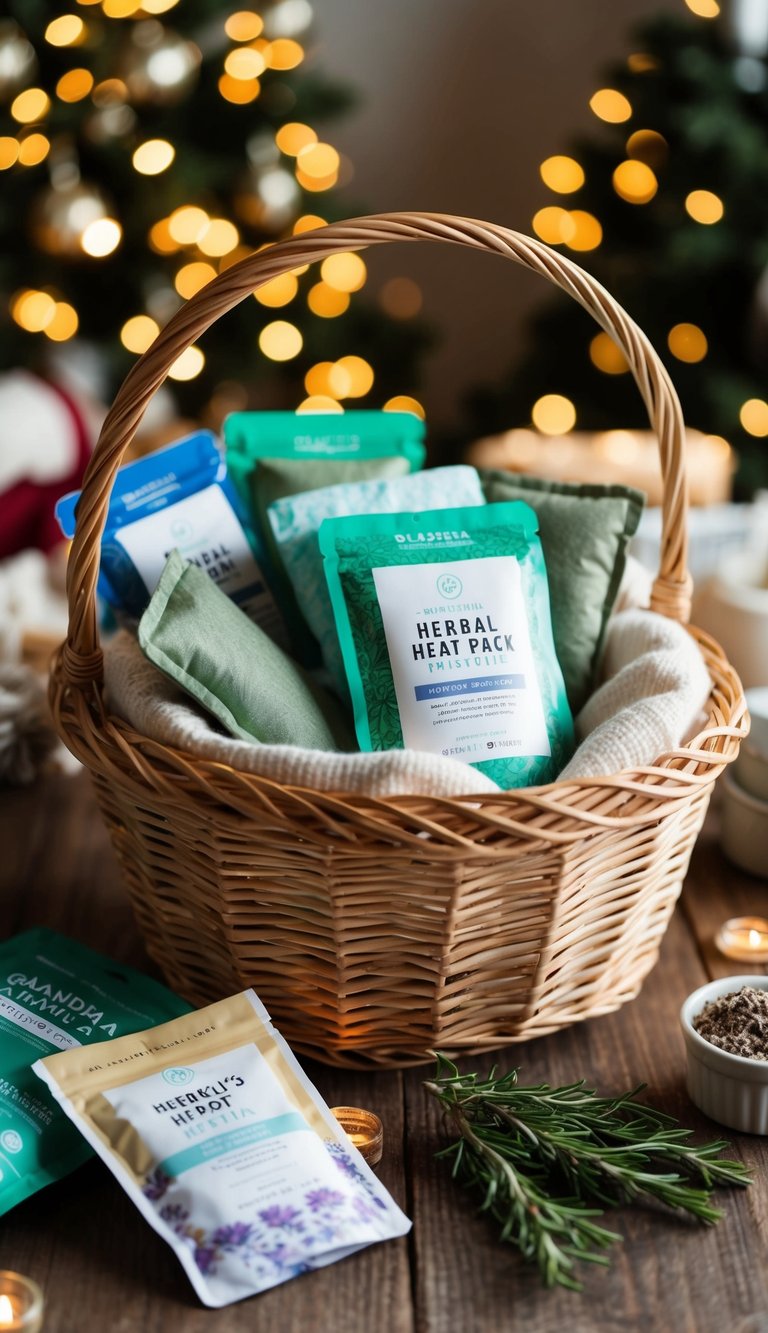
x=730, y=1089
x=751, y=764
x=744, y=827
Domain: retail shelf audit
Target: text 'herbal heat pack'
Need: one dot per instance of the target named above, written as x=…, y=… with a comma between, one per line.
x=224, y=1145
x=443, y=619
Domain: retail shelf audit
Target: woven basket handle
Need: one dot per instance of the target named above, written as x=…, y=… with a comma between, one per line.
x=81, y=662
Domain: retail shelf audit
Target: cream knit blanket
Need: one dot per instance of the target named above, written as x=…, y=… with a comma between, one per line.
x=656, y=688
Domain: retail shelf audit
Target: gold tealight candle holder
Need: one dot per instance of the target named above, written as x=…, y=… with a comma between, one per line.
x=744, y=938
x=21, y=1304
x=364, y=1129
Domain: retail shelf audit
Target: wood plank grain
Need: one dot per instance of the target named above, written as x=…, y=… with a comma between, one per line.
x=668, y=1274
x=100, y=1265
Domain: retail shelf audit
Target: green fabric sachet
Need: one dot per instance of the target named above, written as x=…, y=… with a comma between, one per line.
x=196, y=635
x=585, y=531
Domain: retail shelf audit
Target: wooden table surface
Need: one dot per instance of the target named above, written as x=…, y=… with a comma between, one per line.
x=102, y=1268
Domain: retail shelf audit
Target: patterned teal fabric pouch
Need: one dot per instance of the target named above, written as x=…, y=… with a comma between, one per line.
x=444, y=624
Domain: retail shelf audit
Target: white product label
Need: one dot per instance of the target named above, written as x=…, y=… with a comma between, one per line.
x=460, y=650
x=206, y=531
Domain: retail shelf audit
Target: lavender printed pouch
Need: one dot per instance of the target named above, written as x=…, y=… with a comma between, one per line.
x=222, y=1142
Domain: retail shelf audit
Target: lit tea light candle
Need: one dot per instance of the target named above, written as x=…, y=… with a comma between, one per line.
x=363, y=1128
x=744, y=938
x=21, y=1303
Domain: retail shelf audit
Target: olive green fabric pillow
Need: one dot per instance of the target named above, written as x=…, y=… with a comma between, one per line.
x=196, y=635
x=585, y=531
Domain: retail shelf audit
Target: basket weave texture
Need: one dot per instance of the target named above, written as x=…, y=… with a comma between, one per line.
x=377, y=930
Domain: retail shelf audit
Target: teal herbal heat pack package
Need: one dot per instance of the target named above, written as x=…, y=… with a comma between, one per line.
x=56, y=994
x=444, y=623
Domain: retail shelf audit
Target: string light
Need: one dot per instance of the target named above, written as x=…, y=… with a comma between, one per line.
x=641, y=63
x=153, y=156
x=402, y=402
x=66, y=30
x=317, y=380
x=553, y=414
x=158, y=6
x=243, y=26
x=101, y=237
x=606, y=356
x=188, y=365
x=33, y=149
x=138, y=333
x=687, y=342
x=64, y=324
x=308, y=222
x=278, y=291
x=245, y=63
x=218, y=238
x=9, y=151
x=587, y=232
x=192, y=278
x=110, y=92
x=316, y=184
x=280, y=341
x=610, y=105
x=284, y=53
x=239, y=91
x=120, y=9
x=401, y=298
x=554, y=225
x=187, y=224
x=161, y=240
x=74, y=85
x=350, y=377
x=753, y=416
x=344, y=272
x=33, y=310
x=31, y=105
x=704, y=206
x=704, y=9
x=326, y=301
x=648, y=146
x=562, y=174
x=634, y=182
x=293, y=137
x=318, y=160
x=319, y=403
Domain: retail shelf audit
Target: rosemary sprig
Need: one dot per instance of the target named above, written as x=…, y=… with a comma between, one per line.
x=544, y=1157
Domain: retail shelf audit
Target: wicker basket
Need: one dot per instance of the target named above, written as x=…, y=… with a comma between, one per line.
x=376, y=930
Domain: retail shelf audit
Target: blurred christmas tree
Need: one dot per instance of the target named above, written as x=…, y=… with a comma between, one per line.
x=668, y=207
x=142, y=152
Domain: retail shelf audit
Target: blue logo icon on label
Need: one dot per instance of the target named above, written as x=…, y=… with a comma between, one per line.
x=448, y=585
x=178, y=1078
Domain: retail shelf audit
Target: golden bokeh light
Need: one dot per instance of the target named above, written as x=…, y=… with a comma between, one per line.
x=318, y=402
x=648, y=146
x=401, y=298
x=243, y=26
x=634, y=182
x=606, y=356
x=344, y=272
x=192, y=278
x=120, y=9
x=153, y=156
x=33, y=149
x=188, y=365
x=139, y=333
x=158, y=6
x=327, y=301
x=553, y=414
x=64, y=324
x=704, y=9
x=610, y=105
x=234, y=256
x=74, y=85
x=587, y=232
x=110, y=92
x=562, y=174
x=31, y=105
x=239, y=91
x=704, y=206
x=280, y=341
x=187, y=224
x=293, y=137
x=641, y=63
x=402, y=402
x=66, y=30
x=350, y=377
x=101, y=237
x=284, y=53
x=278, y=291
x=316, y=184
x=753, y=416
x=317, y=379
x=318, y=160
x=244, y=63
x=9, y=151
x=687, y=342
x=161, y=240
x=308, y=222
x=218, y=238
x=554, y=225
x=33, y=310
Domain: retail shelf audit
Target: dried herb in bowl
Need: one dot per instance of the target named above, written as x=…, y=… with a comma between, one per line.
x=548, y=1161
